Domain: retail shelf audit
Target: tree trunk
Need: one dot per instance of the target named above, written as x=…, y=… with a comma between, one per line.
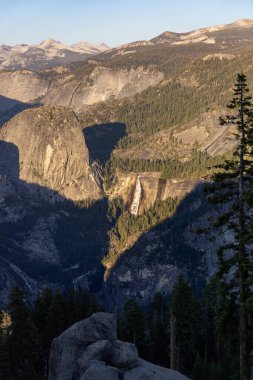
x=178, y=357
x=173, y=321
x=243, y=335
x=242, y=260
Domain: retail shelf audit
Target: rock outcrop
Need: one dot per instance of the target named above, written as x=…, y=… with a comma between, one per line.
x=51, y=152
x=89, y=350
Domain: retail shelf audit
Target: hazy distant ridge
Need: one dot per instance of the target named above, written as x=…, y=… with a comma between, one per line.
x=47, y=53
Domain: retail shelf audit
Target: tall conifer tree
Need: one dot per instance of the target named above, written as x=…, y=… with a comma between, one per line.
x=133, y=325
x=158, y=333
x=23, y=339
x=231, y=188
x=184, y=310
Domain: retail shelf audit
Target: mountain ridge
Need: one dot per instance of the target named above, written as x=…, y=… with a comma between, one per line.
x=47, y=53
x=172, y=37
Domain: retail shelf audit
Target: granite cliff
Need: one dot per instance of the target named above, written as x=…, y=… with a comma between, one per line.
x=52, y=152
x=45, y=169
x=64, y=86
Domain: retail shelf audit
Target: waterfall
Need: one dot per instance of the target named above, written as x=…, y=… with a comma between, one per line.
x=137, y=197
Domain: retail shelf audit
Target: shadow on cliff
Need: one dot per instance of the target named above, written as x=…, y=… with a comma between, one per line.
x=44, y=236
x=11, y=107
x=9, y=159
x=101, y=139
x=59, y=243
x=172, y=244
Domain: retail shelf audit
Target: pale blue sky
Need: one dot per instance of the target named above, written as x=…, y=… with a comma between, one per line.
x=111, y=21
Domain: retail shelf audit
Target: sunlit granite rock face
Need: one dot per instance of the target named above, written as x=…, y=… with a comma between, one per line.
x=70, y=90
x=51, y=152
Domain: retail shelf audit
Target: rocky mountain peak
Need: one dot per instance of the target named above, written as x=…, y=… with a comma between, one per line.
x=105, y=45
x=84, y=46
x=165, y=37
x=49, y=43
x=245, y=22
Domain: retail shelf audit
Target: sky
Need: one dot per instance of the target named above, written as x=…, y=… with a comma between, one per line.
x=113, y=22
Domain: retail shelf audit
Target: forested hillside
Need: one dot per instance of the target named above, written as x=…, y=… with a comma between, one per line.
x=201, y=87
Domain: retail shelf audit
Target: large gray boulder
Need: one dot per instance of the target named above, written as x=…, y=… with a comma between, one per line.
x=98, y=352
x=125, y=355
x=101, y=350
x=100, y=372
x=67, y=347
x=149, y=371
x=89, y=350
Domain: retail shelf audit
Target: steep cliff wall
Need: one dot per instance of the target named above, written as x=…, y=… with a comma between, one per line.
x=51, y=152
x=65, y=88
x=21, y=85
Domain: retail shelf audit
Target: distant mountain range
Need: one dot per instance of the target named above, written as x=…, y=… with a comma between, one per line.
x=46, y=54
x=51, y=53
x=204, y=35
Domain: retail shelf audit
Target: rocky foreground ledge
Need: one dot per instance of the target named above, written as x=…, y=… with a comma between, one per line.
x=89, y=350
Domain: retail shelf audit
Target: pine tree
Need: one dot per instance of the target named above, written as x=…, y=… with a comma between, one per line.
x=208, y=320
x=184, y=312
x=198, y=370
x=56, y=316
x=133, y=326
x=232, y=188
x=82, y=305
x=70, y=309
x=23, y=339
x=158, y=333
x=40, y=315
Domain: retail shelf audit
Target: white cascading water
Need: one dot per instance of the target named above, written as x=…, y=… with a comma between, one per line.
x=137, y=197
